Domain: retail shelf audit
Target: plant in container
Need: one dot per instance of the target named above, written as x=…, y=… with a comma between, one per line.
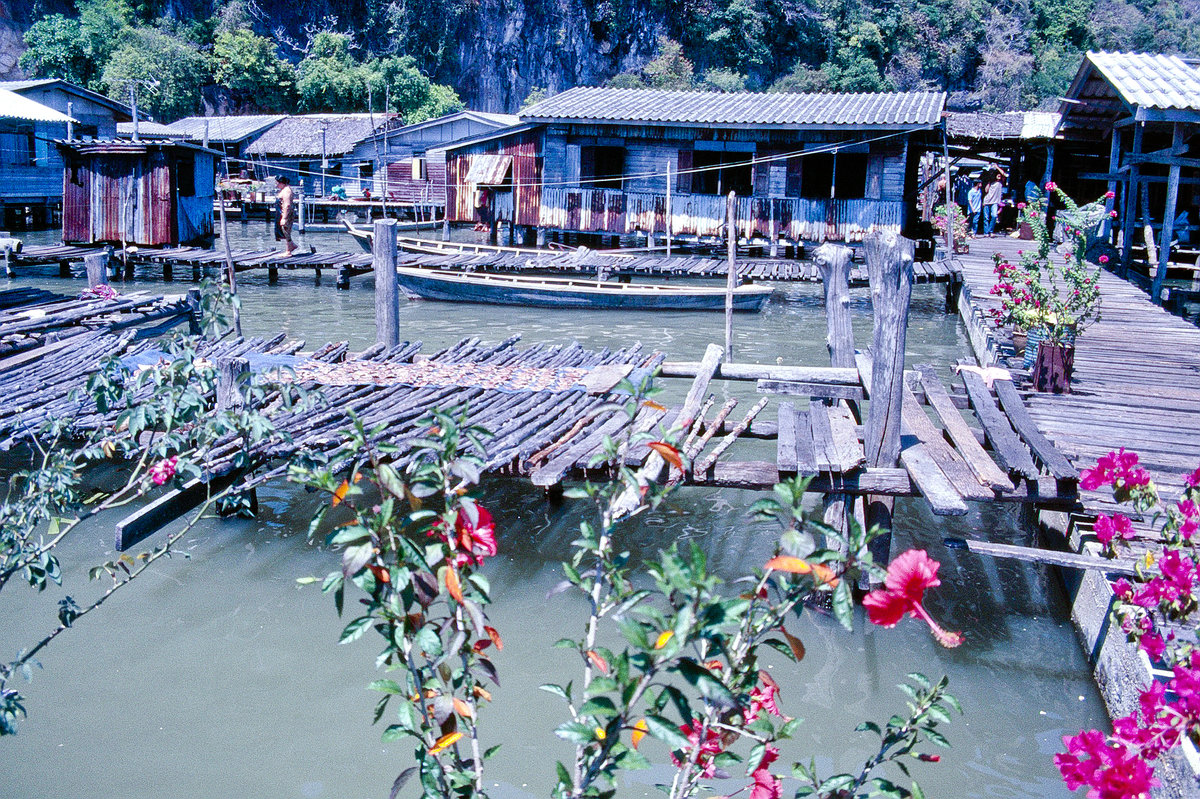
x=955, y=216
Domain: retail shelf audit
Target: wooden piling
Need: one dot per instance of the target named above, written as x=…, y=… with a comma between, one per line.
x=343, y=278
x=195, y=314
x=890, y=268
x=96, y=265
x=833, y=261
x=229, y=378
x=730, y=269
x=387, y=289
x=1178, y=146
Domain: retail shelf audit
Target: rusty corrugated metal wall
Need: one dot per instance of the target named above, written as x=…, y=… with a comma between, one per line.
x=525, y=149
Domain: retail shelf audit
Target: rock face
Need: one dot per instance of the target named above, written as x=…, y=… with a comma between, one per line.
x=11, y=47
x=508, y=48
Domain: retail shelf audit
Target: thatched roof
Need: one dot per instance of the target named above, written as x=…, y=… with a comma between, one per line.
x=1009, y=125
x=300, y=136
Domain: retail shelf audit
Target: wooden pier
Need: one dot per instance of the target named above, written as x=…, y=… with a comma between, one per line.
x=194, y=261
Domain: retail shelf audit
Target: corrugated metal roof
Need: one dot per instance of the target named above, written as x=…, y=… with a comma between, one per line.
x=14, y=106
x=149, y=130
x=301, y=135
x=224, y=129
x=489, y=169
x=1150, y=80
x=22, y=86
x=882, y=109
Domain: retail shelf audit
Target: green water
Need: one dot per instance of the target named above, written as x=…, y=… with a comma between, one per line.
x=218, y=676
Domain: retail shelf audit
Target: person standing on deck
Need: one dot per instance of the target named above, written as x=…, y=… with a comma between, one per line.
x=974, y=205
x=992, y=198
x=284, y=202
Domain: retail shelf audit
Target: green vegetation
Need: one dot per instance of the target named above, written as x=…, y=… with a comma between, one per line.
x=271, y=55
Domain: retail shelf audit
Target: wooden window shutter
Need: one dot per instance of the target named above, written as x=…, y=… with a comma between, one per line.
x=762, y=176
x=587, y=166
x=794, y=171
x=683, y=180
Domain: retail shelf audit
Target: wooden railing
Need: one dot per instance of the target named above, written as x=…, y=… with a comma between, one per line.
x=703, y=215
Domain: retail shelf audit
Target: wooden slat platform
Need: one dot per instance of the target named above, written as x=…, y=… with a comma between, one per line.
x=1136, y=383
x=481, y=258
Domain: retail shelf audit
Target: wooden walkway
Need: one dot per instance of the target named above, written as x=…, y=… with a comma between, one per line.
x=1136, y=382
x=475, y=258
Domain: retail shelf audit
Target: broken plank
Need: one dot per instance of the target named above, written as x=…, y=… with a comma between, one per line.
x=931, y=482
x=849, y=449
x=822, y=437
x=785, y=445
x=1045, y=556
x=553, y=471
x=146, y=521
x=983, y=467
x=801, y=389
x=1055, y=462
x=914, y=421
x=806, y=457
x=1005, y=443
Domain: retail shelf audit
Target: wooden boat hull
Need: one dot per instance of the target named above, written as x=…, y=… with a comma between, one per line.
x=555, y=293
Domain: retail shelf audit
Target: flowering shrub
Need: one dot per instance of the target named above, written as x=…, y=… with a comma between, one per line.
x=955, y=216
x=687, y=675
x=1161, y=595
x=1056, y=291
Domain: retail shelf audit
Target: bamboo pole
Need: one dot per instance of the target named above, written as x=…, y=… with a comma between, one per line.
x=668, y=219
x=230, y=272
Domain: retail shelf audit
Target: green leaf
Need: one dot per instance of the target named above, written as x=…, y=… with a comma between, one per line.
x=387, y=686
x=576, y=732
x=599, y=706
x=355, y=629
x=937, y=738
x=666, y=732
x=557, y=690
x=713, y=691
x=600, y=685
x=428, y=642
x=394, y=733
x=307, y=580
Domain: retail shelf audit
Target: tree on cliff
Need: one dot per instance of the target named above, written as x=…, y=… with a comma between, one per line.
x=247, y=65
x=180, y=70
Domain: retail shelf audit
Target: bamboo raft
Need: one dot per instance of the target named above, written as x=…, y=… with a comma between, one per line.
x=29, y=318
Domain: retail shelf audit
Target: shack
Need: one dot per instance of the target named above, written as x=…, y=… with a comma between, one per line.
x=29, y=186
x=406, y=164
x=148, y=193
x=805, y=167
x=1140, y=113
x=314, y=150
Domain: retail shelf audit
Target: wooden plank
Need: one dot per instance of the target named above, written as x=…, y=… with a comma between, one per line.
x=1053, y=460
x=1005, y=443
x=754, y=371
x=822, y=437
x=146, y=521
x=1046, y=556
x=557, y=467
x=850, y=453
x=984, y=469
x=822, y=390
x=785, y=447
x=806, y=458
x=931, y=482
x=915, y=422
x=763, y=475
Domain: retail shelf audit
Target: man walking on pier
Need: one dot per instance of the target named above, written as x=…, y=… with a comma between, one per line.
x=283, y=213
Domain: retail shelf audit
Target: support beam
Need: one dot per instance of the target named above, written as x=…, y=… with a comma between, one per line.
x=96, y=264
x=387, y=289
x=1131, y=193
x=1168, y=225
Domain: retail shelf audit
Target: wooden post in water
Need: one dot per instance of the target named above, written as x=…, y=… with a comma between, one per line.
x=230, y=272
x=387, y=290
x=96, y=264
x=195, y=314
x=833, y=261
x=229, y=377
x=890, y=268
x=1168, y=225
x=731, y=270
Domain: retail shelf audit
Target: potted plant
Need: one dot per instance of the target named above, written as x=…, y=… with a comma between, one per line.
x=955, y=216
x=1064, y=287
x=1018, y=304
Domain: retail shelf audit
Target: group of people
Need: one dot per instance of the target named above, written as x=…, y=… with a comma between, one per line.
x=981, y=199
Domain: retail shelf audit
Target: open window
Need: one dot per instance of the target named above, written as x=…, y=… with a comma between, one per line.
x=716, y=172
x=602, y=167
x=845, y=173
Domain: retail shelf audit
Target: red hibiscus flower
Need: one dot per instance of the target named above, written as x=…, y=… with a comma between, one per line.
x=476, y=539
x=908, y=576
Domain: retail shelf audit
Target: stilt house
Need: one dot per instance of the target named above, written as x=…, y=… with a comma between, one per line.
x=1141, y=111
x=804, y=167
x=149, y=193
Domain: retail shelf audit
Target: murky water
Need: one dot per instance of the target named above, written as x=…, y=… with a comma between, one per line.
x=217, y=676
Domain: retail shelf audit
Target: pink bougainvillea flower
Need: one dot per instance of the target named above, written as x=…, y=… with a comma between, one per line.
x=1108, y=195
x=163, y=471
x=1110, y=527
x=1193, y=479
x=1051, y=186
x=476, y=539
x=908, y=576
x=1103, y=259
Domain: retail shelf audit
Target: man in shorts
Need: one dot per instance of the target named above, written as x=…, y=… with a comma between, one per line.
x=284, y=202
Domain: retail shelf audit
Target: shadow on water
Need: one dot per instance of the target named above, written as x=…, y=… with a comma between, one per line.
x=219, y=676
